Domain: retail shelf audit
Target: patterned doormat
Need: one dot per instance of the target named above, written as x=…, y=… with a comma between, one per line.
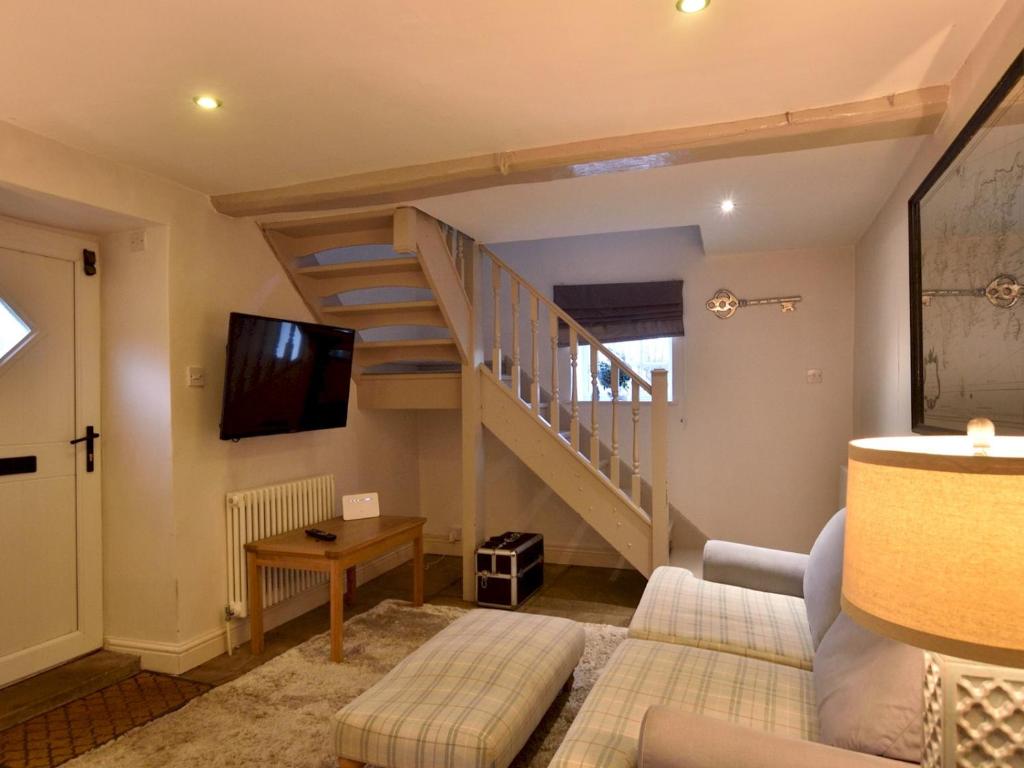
x=57, y=736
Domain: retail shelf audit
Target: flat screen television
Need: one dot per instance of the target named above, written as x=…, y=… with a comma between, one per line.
x=284, y=376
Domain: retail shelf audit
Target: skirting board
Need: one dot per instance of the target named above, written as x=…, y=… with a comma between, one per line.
x=561, y=555
x=176, y=658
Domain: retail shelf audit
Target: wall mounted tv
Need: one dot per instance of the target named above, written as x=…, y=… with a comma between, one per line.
x=284, y=376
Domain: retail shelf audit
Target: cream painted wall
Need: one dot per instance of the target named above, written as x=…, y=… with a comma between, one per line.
x=166, y=308
x=755, y=451
x=882, y=350
x=138, y=514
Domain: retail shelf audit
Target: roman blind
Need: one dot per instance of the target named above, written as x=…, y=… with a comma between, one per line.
x=623, y=311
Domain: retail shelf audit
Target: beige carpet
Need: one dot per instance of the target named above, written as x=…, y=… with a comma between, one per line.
x=279, y=714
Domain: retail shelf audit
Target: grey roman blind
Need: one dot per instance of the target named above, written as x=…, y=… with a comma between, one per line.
x=623, y=311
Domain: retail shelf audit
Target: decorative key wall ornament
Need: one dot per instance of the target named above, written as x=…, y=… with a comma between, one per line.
x=1003, y=292
x=724, y=303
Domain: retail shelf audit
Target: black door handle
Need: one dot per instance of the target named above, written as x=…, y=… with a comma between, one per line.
x=90, y=447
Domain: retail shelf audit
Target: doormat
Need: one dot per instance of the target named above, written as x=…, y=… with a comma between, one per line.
x=81, y=725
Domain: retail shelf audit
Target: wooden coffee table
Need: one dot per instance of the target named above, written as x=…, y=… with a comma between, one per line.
x=358, y=541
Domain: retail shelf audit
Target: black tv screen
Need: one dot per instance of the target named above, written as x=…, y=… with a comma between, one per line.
x=284, y=376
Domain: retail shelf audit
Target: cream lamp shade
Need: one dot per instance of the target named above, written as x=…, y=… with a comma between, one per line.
x=934, y=553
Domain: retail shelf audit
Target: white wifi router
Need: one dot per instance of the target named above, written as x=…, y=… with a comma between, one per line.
x=359, y=506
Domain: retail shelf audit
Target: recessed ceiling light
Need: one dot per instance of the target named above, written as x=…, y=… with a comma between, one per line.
x=728, y=205
x=692, y=6
x=207, y=102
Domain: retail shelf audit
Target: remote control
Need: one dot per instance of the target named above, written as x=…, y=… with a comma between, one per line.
x=316, y=533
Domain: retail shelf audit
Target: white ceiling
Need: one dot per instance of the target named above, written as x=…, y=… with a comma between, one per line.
x=322, y=88
x=330, y=87
x=814, y=198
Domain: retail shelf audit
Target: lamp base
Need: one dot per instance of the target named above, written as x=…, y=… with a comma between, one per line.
x=973, y=714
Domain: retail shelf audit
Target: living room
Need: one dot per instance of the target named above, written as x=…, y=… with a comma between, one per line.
x=766, y=151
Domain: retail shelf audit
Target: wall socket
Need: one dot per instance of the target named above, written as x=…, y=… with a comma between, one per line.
x=814, y=376
x=454, y=534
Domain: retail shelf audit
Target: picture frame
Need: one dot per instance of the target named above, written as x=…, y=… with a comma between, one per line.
x=966, y=223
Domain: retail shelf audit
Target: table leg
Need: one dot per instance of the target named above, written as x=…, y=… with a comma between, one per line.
x=350, y=585
x=255, y=576
x=417, y=570
x=337, y=613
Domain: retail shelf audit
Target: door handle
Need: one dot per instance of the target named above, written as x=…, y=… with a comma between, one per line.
x=90, y=447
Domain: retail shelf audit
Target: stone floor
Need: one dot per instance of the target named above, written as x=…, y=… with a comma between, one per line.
x=595, y=595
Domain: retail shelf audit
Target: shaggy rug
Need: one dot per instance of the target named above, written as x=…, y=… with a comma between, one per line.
x=279, y=714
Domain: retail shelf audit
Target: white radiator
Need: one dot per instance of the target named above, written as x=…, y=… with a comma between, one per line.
x=260, y=512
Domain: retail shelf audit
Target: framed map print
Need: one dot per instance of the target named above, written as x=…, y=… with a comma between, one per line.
x=967, y=270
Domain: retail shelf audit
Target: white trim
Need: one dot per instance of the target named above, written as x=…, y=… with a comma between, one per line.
x=176, y=658
x=435, y=544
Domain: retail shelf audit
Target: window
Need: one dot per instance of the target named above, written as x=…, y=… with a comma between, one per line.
x=643, y=356
x=13, y=330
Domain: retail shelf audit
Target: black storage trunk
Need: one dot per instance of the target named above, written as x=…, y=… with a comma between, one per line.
x=509, y=568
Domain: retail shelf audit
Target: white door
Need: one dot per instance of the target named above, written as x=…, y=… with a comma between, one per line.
x=50, y=547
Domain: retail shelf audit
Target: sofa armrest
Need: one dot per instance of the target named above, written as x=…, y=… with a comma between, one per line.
x=671, y=738
x=766, y=570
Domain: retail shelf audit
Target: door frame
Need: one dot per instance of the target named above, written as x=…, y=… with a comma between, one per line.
x=68, y=246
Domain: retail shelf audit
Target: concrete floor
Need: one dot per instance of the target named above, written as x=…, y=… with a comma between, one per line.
x=595, y=595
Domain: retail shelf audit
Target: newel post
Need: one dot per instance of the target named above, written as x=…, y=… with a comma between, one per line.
x=659, y=468
x=473, y=520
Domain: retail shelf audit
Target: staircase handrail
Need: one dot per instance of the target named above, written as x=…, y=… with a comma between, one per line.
x=565, y=317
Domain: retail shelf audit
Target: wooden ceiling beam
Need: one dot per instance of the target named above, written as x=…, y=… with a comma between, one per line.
x=913, y=113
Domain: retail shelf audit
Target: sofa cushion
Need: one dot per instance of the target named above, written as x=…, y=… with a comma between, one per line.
x=869, y=692
x=679, y=608
x=823, y=579
x=641, y=674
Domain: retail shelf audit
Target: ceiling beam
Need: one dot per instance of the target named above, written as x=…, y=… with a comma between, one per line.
x=913, y=113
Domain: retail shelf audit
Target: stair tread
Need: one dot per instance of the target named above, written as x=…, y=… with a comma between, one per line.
x=358, y=268
x=389, y=306
x=362, y=221
x=412, y=372
x=405, y=343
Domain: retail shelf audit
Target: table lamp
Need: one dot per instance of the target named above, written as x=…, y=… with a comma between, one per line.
x=934, y=557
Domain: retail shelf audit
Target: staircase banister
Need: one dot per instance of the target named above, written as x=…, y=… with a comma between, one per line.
x=562, y=315
x=451, y=256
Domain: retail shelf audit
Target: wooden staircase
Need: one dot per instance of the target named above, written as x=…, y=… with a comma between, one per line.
x=413, y=289
x=388, y=258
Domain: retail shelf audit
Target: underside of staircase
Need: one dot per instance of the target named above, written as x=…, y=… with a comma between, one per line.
x=408, y=285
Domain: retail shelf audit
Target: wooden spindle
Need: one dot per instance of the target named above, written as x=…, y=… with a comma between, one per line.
x=574, y=411
x=636, y=479
x=659, y=468
x=595, y=397
x=613, y=468
x=554, y=412
x=534, y=354
x=496, y=293
x=517, y=382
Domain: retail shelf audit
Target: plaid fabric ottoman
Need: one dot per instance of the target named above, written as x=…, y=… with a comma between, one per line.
x=468, y=698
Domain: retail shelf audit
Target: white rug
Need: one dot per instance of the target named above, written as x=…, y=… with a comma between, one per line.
x=279, y=714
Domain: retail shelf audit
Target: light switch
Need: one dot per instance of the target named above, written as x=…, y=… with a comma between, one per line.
x=137, y=241
x=814, y=376
x=195, y=376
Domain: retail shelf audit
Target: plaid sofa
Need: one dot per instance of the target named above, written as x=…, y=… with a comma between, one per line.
x=679, y=608
x=718, y=671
